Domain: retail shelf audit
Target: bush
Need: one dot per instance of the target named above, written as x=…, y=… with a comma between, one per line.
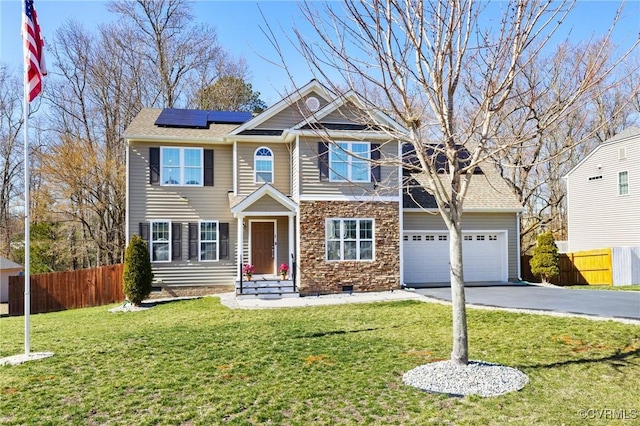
x=137, y=276
x=545, y=260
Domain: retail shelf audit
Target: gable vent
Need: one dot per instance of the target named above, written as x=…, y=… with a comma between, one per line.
x=312, y=103
x=622, y=153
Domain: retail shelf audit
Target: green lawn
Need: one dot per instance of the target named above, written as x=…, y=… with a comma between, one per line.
x=605, y=287
x=197, y=362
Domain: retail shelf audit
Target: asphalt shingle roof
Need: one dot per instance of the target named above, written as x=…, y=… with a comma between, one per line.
x=143, y=126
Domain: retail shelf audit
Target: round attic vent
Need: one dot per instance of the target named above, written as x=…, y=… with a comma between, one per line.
x=312, y=103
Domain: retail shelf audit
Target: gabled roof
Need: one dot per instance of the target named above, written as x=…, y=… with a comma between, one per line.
x=628, y=133
x=272, y=111
x=6, y=264
x=488, y=191
x=239, y=205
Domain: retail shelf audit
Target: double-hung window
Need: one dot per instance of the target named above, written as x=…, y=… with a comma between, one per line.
x=349, y=239
x=349, y=162
x=263, y=165
x=623, y=183
x=208, y=241
x=181, y=166
x=160, y=241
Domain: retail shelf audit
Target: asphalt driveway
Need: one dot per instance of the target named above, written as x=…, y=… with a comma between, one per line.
x=600, y=303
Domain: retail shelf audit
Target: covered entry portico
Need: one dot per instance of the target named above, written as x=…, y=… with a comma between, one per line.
x=266, y=233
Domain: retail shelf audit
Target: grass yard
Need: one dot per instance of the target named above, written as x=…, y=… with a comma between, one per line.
x=604, y=287
x=198, y=363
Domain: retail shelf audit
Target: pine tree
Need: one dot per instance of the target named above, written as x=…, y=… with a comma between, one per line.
x=137, y=277
x=545, y=260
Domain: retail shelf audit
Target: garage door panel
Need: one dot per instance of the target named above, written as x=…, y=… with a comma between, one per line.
x=426, y=257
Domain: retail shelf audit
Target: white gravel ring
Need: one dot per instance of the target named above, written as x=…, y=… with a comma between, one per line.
x=477, y=378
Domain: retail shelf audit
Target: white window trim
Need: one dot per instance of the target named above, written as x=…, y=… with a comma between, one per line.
x=255, y=168
x=620, y=194
x=181, y=166
x=152, y=242
x=358, y=240
x=350, y=156
x=200, y=241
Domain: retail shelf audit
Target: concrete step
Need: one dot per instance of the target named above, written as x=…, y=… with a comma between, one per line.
x=266, y=296
x=257, y=290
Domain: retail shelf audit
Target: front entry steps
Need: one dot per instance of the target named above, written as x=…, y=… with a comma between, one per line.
x=265, y=287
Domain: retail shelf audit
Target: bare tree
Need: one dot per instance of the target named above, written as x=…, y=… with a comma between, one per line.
x=446, y=70
x=181, y=57
x=11, y=158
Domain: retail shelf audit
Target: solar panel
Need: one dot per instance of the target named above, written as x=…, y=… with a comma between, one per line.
x=188, y=118
x=229, y=117
x=199, y=119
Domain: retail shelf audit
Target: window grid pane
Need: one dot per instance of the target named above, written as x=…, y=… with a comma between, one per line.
x=182, y=166
x=208, y=241
x=160, y=241
x=349, y=239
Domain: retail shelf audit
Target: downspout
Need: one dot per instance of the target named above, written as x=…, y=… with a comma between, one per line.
x=401, y=217
x=127, y=191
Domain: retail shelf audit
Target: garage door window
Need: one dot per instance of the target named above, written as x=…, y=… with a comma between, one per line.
x=349, y=239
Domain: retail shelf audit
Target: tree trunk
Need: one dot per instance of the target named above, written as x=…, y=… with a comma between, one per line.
x=460, y=351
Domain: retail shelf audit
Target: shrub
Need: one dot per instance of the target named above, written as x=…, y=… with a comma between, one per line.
x=137, y=276
x=545, y=260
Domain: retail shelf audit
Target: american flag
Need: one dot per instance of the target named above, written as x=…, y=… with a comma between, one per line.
x=35, y=67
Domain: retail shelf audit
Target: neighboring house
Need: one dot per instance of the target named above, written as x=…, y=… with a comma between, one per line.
x=7, y=269
x=211, y=191
x=603, y=195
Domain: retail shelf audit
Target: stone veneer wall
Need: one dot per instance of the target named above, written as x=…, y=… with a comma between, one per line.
x=319, y=276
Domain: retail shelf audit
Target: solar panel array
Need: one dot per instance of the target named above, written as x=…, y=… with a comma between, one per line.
x=199, y=119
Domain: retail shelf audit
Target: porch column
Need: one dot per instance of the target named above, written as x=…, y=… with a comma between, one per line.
x=291, y=242
x=240, y=246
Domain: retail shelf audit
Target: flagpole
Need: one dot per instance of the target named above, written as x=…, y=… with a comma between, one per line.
x=27, y=235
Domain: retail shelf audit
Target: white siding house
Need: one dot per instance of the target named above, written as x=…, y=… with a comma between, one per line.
x=603, y=195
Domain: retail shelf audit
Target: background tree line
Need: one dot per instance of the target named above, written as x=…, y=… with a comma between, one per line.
x=153, y=55
x=156, y=55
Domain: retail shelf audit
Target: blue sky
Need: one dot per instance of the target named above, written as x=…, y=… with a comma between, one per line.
x=238, y=27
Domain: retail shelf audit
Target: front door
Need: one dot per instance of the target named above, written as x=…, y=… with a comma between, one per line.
x=262, y=247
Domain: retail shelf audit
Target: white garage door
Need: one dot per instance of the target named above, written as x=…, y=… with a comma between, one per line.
x=426, y=257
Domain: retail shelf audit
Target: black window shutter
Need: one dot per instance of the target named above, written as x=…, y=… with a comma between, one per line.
x=208, y=167
x=375, y=168
x=224, y=240
x=193, y=241
x=154, y=166
x=176, y=241
x=323, y=160
x=144, y=231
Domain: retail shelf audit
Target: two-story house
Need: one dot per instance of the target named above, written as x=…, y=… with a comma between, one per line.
x=603, y=200
x=212, y=191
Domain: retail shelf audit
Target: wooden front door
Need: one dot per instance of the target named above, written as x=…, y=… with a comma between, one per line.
x=262, y=247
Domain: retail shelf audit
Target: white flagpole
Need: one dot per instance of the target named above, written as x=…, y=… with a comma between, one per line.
x=27, y=236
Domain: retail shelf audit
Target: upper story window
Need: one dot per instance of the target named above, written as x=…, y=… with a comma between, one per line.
x=349, y=239
x=263, y=165
x=181, y=166
x=349, y=161
x=623, y=183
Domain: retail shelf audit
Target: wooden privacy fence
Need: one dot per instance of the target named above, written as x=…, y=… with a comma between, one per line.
x=583, y=267
x=58, y=291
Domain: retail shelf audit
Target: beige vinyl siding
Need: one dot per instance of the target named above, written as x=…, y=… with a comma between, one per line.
x=184, y=205
x=265, y=204
x=597, y=216
x=281, y=167
x=420, y=221
x=311, y=185
x=295, y=173
x=346, y=114
x=282, y=235
x=291, y=115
